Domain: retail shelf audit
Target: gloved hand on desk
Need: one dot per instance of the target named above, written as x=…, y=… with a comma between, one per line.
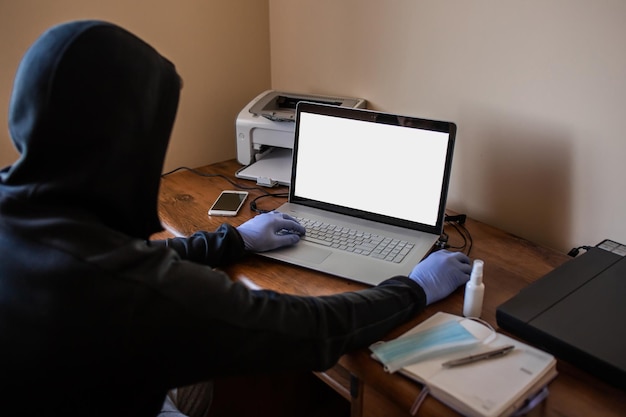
x=269, y=231
x=441, y=273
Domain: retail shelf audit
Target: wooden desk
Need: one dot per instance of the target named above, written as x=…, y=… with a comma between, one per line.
x=510, y=264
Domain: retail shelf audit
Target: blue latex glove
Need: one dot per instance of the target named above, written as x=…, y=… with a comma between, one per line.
x=269, y=231
x=441, y=273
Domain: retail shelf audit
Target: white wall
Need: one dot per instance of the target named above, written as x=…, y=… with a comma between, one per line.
x=220, y=48
x=537, y=89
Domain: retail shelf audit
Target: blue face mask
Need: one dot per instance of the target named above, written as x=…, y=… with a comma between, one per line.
x=443, y=338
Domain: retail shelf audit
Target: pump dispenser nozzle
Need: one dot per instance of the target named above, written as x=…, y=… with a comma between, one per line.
x=477, y=272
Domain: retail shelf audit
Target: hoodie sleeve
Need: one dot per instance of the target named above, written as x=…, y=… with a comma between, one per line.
x=218, y=248
x=210, y=326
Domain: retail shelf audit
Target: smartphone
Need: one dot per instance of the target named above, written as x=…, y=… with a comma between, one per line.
x=228, y=203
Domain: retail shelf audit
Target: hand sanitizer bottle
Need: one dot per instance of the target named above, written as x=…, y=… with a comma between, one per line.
x=474, y=291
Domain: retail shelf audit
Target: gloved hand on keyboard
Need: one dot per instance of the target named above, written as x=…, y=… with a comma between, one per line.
x=441, y=273
x=269, y=231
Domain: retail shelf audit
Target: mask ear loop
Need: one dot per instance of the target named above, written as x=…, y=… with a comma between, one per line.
x=419, y=400
x=492, y=332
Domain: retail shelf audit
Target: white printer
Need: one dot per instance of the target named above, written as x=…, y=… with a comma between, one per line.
x=265, y=134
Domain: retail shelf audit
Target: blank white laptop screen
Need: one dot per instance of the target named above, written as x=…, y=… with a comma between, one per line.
x=385, y=169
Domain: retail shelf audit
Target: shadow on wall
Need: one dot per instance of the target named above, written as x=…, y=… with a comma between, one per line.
x=523, y=176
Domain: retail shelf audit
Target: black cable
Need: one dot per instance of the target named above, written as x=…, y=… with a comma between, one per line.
x=464, y=245
x=253, y=205
x=458, y=223
x=467, y=237
x=202, y=174
x=575, y=251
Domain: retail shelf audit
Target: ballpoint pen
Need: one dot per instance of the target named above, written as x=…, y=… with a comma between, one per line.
x=479, y=357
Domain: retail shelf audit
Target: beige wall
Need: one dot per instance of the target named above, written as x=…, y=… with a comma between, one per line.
x=537, y=89
x=221, y=49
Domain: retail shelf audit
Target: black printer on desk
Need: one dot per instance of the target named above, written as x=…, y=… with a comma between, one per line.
x=577, y=312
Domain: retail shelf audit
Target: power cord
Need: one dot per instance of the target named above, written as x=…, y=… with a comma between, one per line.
x=575, y=251
x=253, y=203
x=202, y=174
x=458, y=223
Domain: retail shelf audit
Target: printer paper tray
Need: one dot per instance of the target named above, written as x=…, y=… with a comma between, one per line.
x=274, y=166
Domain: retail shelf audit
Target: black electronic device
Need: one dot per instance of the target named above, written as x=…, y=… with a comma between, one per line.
x=577, y=312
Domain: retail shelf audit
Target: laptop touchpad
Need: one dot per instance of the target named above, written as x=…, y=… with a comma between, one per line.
x=310, y=254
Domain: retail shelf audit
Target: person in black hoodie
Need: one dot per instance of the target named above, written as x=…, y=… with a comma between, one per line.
x=95, y=319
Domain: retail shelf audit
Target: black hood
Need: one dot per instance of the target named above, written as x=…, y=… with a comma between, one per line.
x=91, y=114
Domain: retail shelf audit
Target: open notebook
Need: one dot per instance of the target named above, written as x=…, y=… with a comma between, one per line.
x=487, y=388
x=377, y=180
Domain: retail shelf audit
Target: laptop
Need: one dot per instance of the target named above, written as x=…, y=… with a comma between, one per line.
x=576, y=312
x=379, y=178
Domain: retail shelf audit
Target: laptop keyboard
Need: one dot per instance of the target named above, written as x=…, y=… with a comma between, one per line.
x=351, y=240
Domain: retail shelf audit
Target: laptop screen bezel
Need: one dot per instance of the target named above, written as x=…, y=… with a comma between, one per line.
x=385, y=118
